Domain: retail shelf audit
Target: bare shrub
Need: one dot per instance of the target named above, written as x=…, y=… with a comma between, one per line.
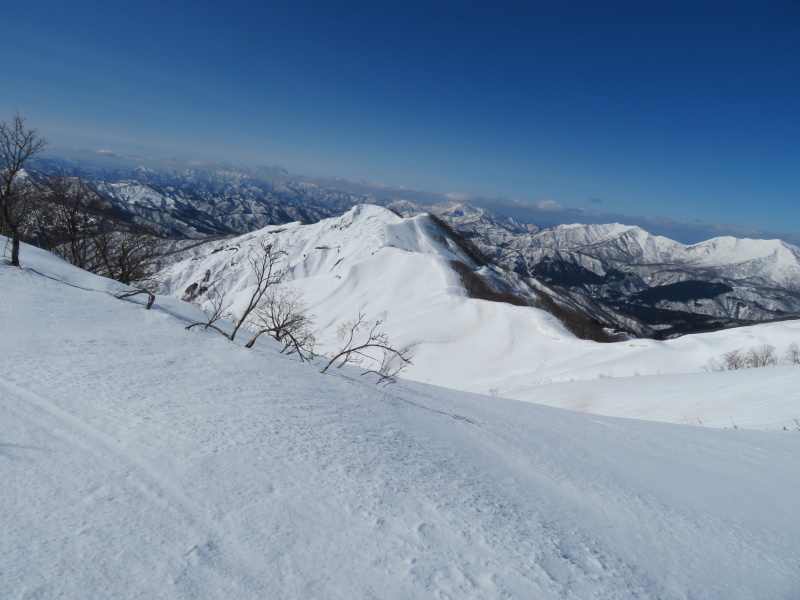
x=279, y=313
x=219, y=308
x=734, y=360
x=713, y=365
x=793, y=354
x=763, y=356
x=282, y=314
x=265, y=265
x=362, y=340
x=127, y=255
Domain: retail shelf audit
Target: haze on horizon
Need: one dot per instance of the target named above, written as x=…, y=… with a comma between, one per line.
x=678, y=112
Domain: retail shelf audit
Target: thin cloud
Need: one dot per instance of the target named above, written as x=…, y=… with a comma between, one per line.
x=548, y=205
x=458, y=196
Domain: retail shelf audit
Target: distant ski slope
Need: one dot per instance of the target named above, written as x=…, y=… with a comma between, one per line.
x=143, y=460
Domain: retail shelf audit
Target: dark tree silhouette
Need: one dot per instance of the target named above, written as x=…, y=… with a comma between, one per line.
x=17, y=145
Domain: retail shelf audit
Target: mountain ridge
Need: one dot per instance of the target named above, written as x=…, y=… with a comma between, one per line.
x=619, y=275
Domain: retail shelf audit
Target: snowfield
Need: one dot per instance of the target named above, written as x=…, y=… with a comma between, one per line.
x=141, y=460
x=374, y=261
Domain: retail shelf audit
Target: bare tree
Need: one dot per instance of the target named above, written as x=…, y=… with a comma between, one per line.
x=66, y=211
x=793, y=354
x=763, y=356
x=730, y=361
x=265, y=265
x=128, y=255
x=74, y=221
x=734, y=360
x=362, y=340
x=17, y=145
x=219, y=310
x=283, y=315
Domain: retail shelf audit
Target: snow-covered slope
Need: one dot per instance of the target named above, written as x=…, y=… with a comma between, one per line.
x=372, y=261
x=143, y=460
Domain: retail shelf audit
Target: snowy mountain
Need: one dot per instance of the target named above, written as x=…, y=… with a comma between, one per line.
x=198, y=213
x=619, y=276
x=649, y=284
x=203, y=202
x=144, y=460
x=373, y=261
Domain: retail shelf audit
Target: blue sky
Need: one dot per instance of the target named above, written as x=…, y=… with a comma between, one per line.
x=669, y=109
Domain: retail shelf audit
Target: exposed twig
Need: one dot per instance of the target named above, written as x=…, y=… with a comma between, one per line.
x=150, y=296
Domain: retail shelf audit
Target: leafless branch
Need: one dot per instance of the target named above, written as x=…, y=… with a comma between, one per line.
x=362, y=338
x=150, y=297
x=265, y=265
x=282, y=315
x=219, y=309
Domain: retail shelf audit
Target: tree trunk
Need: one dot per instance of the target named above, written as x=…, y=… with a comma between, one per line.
x=15, y=249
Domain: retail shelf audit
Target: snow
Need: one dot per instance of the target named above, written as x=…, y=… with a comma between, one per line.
x=764, y=398
x=771, y=262
x=373, y=261
x=141, y=460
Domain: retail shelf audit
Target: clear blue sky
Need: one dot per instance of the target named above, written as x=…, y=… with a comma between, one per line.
x=688, y=110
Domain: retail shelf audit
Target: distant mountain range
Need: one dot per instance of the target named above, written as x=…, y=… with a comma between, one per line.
x=620, y=276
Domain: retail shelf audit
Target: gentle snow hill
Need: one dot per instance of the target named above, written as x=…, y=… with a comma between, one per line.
x=141, y=460
x=373, y=261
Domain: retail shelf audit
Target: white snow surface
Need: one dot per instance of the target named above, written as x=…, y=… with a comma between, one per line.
x=372, y=261
x=141, y=460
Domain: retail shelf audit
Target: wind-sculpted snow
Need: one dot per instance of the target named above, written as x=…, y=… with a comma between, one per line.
x=372, y=261
x=141, y=460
